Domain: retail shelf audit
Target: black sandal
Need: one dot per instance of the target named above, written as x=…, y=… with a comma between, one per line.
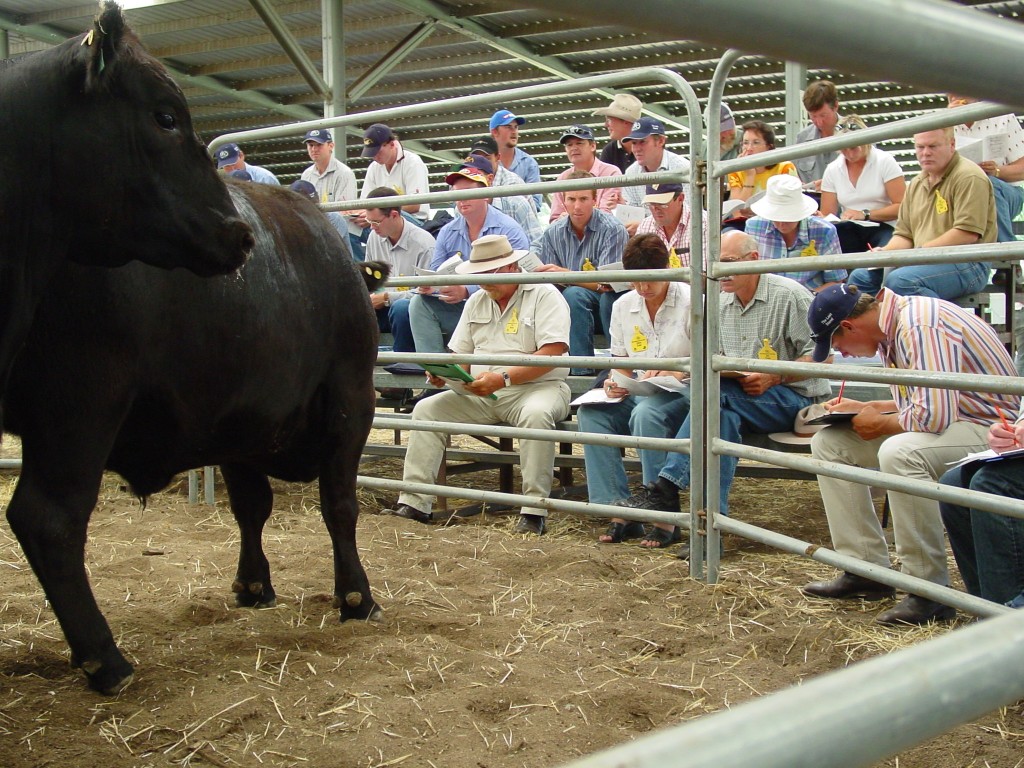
x=619, y=532
x=661, y=538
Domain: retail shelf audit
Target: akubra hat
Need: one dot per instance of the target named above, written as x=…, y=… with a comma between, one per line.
x=784, y=200
x=489, y=252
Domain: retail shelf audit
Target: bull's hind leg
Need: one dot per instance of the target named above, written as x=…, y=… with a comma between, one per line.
x=340, y=509
x=251, y=503
x=49, y=513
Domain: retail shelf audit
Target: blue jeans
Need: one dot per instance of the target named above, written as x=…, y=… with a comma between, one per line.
x=395, y=320
x=660, y=415
x=584, y=321
x=773, y=411
x=430, y=319
x=939, y=281
x=1009, y=199
x=989, y=548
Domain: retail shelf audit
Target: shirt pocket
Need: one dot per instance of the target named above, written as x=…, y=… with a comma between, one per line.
x=805, y=166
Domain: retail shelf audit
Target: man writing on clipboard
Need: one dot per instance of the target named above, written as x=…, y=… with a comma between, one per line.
x=499, y=319
x=915, y=434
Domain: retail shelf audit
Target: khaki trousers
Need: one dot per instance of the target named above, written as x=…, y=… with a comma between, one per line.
x=917, y=526
x=537, y=405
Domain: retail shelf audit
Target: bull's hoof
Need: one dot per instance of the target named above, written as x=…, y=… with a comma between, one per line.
x=356, y=606
x=256, y=594
x=109, y=679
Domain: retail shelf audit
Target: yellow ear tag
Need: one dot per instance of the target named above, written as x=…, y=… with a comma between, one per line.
x=639, y=342
x=941, y=206
x=810, y=250
x=88, y=38
x=766, y=352
x=587, y=266
x=377, y=274
x=674, y=262
x=512, y=326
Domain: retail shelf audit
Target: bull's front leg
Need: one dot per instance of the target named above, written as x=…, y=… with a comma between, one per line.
x=50, y=518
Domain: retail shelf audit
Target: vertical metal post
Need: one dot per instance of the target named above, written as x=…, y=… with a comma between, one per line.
x=796, y=79
x=209, y=474
x=193, y=486
x=333, y=34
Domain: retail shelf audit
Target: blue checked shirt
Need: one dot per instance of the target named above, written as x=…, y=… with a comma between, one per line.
x=815, y=237
x=603, y=242
x=454, y=237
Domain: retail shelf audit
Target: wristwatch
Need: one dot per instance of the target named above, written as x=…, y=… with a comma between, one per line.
x=867, y=214
x=507, y=378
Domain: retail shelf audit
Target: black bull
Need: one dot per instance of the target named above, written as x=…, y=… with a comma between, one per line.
x=149, y=373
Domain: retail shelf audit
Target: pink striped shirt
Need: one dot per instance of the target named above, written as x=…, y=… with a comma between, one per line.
x=926, y=334
x=607, y=199
x=680, y=240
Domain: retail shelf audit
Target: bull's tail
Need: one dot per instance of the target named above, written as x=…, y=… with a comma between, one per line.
x=375, y=273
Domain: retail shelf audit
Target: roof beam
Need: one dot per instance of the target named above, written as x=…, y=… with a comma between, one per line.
x=518, y=49
x=291, y=47
x=395, y=56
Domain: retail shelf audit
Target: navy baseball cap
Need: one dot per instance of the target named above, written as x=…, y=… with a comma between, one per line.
x=375, y=137
x=504, y=117
x=577, y=131
x=228, y=154
x=644, y=127
x=319, y=135
x=304, y=188
x=830, y=307
x=485, y=144
x=662, y=193
x=241, y=175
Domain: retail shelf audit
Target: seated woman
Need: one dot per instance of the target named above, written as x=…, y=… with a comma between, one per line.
x=758, y=137
x=652, y=320
x=868, y=184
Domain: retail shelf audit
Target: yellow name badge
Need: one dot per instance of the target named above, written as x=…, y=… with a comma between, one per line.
x=674, y=262
x=941, y=206
x=512, y=326
x=901, y=388
x=766, y=352
x=639, y=342
x=810, y=250
x=587, y=266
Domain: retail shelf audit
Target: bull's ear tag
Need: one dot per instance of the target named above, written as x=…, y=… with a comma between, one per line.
x=88, y=38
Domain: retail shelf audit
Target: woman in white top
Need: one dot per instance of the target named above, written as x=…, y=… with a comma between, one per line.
x=868, y=185
x=652, y=320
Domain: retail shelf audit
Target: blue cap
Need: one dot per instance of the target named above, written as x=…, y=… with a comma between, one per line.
x=830, y=307
x=504, y=117
x=241, y=175
x=304, y=188
x=319, y=135
x=375, y=137
x=228, y=155
x=644, y=127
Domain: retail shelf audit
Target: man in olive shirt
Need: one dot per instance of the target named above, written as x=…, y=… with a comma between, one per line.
x=949, y=203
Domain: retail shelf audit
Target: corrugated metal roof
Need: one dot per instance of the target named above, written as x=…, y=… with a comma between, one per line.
x=477, y=46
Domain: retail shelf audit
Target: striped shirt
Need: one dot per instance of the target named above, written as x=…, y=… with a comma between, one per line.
x=604, y=240
x=607, y=198
x=680, y=240
x=815, y=237
x=926, y=334
x=775, y=317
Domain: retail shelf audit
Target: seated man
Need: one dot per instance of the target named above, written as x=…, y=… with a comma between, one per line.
x=989, y=548
x=500, y=319
x=581, y=149
x=670, y=220
x=581, y=242
x=231, y=158
x=306, y=189
x=519, y=207
x=949, y=203
x=404, y=247
x=652, y=320
x=762, y=316
x=785, y=227
x=431, y=316
x=916, y=434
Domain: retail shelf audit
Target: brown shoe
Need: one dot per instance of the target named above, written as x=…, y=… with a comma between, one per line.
x=916, y=610
x=411, y=513
x=849, y=586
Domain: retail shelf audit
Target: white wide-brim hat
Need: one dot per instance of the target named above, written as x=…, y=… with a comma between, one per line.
x=489, y=252
x=802, y=432
x=784, y=200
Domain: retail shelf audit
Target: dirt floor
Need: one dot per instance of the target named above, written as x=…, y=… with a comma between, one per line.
x=496, y=650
